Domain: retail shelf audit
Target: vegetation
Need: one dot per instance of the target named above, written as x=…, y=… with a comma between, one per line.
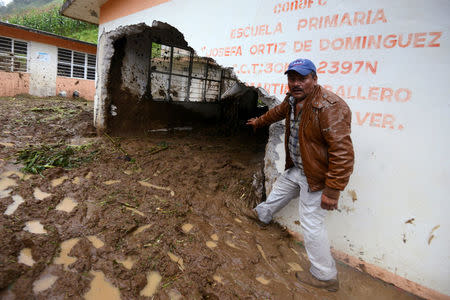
x=46, y=17
x=38, y=158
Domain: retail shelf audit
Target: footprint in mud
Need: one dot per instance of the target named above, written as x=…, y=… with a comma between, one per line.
x=187, y=227
x=58, y=181
x=153, y=281
x=35, y=227
x=95, y=241
x=64, y=258
x=67, y=205
x=13, y=206
x=44, y=283
x=40, y=195
x=26, y=258
x=101, y=288
x=211, y=244
x=262, y=280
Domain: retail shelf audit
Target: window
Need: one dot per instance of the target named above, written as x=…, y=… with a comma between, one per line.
x=13, y=55
x=177, y=75
x=76, y=64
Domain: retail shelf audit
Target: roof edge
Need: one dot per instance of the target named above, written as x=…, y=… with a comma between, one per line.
x=65, y=6
x=46, y=33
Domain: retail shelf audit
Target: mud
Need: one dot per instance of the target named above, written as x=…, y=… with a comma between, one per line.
x=170, y=225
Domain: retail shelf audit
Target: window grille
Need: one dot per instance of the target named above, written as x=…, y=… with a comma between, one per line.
x=177, y=75
x=76, y=64
x=13, y=55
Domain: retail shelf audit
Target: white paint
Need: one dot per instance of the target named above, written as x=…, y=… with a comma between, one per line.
x=399, y=173
x=42, y=61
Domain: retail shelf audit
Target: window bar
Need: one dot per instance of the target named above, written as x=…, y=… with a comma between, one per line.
x=85, y=65
x=71, y=64
x=206, y=80
x=220, y=85
x=149, y=84
x=13, y=57
x=191, y=59
x=170, y=74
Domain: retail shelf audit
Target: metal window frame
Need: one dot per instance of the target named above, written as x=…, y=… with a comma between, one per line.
x=189, y=76
x=14, y=56
x=72, y=64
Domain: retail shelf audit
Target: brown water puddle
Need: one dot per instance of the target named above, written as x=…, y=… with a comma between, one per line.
x=26, y=258
x=95, y=241
x=76, y=180
x=64, y=258
x=135, y=211
x=67, y=205
x=111, y=182
x=40, y=195
x=211, y=244
x=147, y=184
x=153, y=281
x=89, y=175
x=35, y=227
x=6, y=183
x=6, y=144
x=44, y=283
x=187, y=227
x=58, y=181
x=13, y=206
x=101, y=288
x=141, y=229
x=215, y=237
x=218, y=278
x=5, y=193
x=127, y=263
x=263, y=280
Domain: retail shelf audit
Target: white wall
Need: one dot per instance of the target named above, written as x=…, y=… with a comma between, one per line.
x=42, y=59
x=402, y=166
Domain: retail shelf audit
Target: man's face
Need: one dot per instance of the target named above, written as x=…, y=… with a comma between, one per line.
x=301, y=86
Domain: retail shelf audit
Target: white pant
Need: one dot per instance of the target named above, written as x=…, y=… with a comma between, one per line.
x=292, y=184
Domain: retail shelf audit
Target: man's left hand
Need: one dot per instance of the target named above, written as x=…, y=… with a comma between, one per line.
x=328, y=203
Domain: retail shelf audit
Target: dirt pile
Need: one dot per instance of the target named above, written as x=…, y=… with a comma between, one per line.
x=166, y=224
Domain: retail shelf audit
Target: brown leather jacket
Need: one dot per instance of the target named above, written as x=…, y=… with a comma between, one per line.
x=324, y=135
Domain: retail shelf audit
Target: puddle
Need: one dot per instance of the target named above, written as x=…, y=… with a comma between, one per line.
x=26, y=258
x=215, y=237
x=67, y=205
x=187, y=227
x=44, y=283
x=95, y=241
x=294, y=267
x=13, y=206
x=35, y=227
x=76, y=180
x=135, y=211
x=262, y=280
x=6, y=183
x=127, y=263
x=231, y=245
x=111, y=182
x=176, y=259
x=89, y=175
x=211, y=244
x=58, y=181
x=128, y=172
x=40, y=195
x=147, y=184
x=5, y=193
x=101, y=288
x=153, y=281
x=142, y=228
x=218, y=278
x=64, y=258
x=237, y=220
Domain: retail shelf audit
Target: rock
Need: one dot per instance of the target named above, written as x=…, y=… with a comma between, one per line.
x=62, y=94
x=76, y=94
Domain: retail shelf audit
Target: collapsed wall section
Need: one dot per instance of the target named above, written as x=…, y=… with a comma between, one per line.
x=149, y=78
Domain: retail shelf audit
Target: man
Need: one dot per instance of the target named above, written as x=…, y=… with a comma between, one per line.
x=319, y=161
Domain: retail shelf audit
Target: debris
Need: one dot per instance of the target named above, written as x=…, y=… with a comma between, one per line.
x=147, y=184
x=410, y=221
x=431, y=233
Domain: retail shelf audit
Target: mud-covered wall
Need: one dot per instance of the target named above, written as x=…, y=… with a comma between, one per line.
x=389, y=62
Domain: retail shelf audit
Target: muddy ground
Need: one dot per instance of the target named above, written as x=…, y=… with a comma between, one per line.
x=159, y=216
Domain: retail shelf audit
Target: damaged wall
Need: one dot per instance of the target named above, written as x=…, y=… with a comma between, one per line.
x=389, y=62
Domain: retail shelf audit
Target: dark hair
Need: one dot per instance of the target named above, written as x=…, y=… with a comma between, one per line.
x=313, y=74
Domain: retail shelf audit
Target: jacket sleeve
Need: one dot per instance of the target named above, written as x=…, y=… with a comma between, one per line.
x=276, y=114
x=335, y=124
